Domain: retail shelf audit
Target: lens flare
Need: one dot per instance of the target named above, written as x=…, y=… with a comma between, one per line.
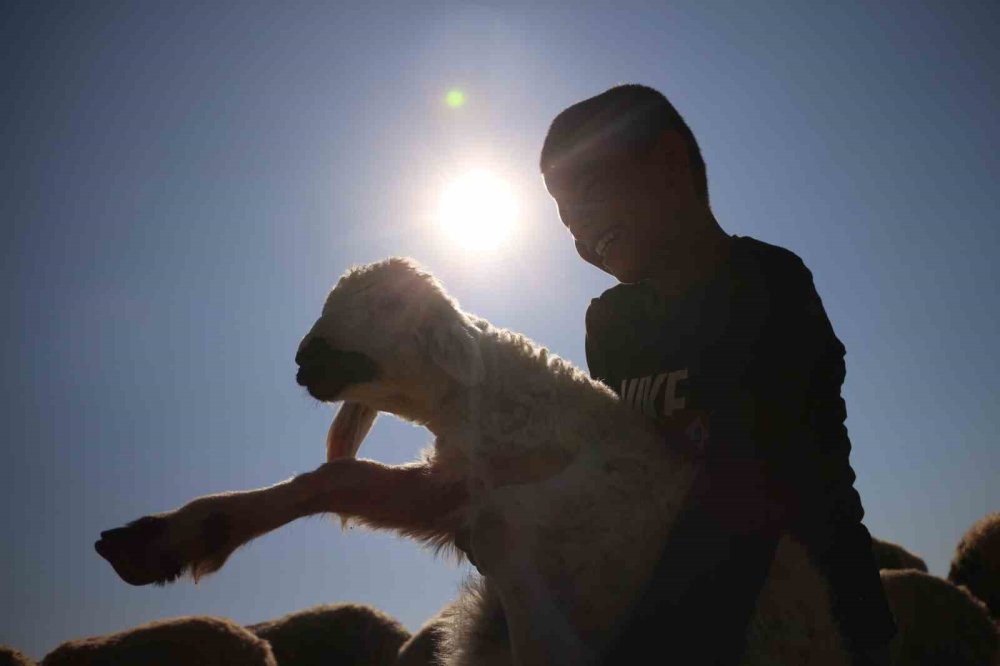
x=478, y=211
x=455, y=98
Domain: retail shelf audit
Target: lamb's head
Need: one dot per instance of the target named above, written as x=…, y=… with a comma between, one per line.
x=389, y=339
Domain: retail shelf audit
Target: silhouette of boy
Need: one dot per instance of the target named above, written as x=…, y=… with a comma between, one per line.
x=724, y=341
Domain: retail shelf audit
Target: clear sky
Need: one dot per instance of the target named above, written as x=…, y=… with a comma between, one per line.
x=182, y=183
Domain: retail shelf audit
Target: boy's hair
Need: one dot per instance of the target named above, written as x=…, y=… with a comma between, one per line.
x=629, y=115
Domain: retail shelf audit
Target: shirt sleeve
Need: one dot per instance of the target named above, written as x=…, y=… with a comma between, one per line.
x=793, y=407
x=596, y=355
x=795, y=415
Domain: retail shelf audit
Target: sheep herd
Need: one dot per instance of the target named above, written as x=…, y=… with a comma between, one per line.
x=948, y=623
x=524, y=445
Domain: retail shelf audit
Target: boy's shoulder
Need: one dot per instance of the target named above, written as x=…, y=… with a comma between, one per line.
x=750, y=254
x=621, y=297
x=752, y=263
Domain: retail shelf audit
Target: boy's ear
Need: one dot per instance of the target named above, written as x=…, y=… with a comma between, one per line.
x=670, y=145
x=671, y=152
x=454, y=347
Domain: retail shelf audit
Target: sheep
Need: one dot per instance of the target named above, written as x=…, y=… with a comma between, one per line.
x=893, y=556
x=11, y=657
x=192, y=641
x=563, y=492
x=424, y=646
x=343, y=634
x=976, y=564
x=938, y=622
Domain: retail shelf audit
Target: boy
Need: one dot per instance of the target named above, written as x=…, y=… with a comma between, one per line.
x=724, y=341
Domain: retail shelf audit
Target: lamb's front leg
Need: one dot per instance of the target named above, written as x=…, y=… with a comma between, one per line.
x=198, y=537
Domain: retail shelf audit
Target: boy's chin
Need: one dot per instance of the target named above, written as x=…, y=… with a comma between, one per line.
x=625, y=273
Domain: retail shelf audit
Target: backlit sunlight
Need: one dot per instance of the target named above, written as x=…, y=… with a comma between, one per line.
x=478, y=211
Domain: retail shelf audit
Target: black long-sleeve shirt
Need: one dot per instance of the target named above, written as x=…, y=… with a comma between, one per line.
x=746, y=369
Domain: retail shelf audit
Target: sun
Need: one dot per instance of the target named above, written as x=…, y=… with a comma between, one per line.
x=478, y=211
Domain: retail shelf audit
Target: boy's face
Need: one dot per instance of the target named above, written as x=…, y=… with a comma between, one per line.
x=625, y=211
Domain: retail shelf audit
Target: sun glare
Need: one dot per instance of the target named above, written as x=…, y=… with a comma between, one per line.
x=478, y=211
x=455, y=98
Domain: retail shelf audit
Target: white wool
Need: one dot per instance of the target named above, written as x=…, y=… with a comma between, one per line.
x=571, y=492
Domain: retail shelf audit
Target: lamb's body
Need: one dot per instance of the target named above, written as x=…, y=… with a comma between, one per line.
x=938, y=622
x=197, y=641
x=11, y=657
x=566, y=493
x=894, y=557
x=342, y=634
x=569, y=486
x=976, y=564
x=556, y=466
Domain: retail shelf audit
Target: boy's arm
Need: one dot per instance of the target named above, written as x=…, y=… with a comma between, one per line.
x=795, y=415
x=790, y=406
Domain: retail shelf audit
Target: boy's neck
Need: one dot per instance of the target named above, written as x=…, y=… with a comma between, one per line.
x=706, y=249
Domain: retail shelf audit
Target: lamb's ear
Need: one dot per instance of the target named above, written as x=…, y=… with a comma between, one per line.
x=348, y=430
x=454, y=347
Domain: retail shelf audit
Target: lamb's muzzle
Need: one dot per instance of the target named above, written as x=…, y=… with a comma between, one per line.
x=325, y=371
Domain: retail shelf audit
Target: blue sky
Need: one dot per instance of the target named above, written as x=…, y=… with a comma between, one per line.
x=182, y=183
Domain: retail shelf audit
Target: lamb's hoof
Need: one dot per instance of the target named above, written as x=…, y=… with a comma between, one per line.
x=140, y=552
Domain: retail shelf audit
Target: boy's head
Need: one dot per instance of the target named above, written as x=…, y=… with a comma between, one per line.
x=629, y=116
x=625, y=170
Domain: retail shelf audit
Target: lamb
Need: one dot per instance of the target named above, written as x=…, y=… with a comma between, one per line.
x=938, y=622
x=193, y=641
x=554, y=483
x=423, y=647
x=343, y=634
x=11, y=657
x=976, y=564
x=893, y=556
